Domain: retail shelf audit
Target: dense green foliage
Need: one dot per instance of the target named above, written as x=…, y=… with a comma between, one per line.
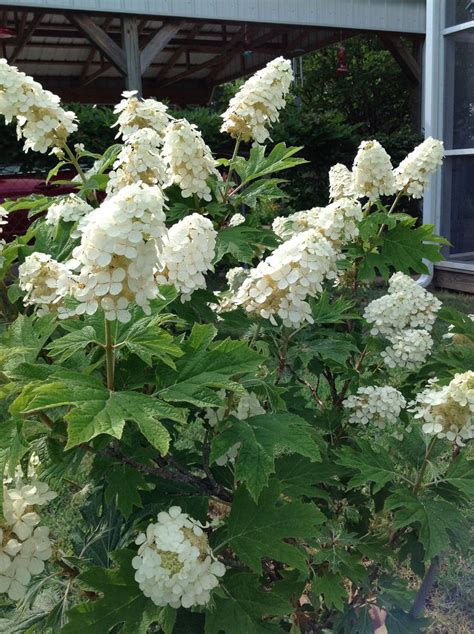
x=311, y=514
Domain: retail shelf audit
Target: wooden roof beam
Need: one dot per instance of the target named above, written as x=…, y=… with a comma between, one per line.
x=178, y=52
x=407, y=62
x=27, y=33
x=102, y=40
x=157, y=43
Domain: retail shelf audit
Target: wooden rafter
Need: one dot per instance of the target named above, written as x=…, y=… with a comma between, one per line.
x=178, y=52
x=407, y=62
x=157, y=43
x=211, y=63
x=27, y=33
x=92, y=53
x=102, y=40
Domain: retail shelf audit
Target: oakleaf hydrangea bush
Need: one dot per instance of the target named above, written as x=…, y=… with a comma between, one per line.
x=212, y=426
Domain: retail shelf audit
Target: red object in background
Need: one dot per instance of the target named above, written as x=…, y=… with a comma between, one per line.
x=6, y=34
x=13, y=187
x=341, y=61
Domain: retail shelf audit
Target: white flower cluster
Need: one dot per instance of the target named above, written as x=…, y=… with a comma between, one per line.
x=405, y=316
x=257, y=104
x=447, y=411
x=3, y=215
x=246, y=407
x=186, y=255
x=408, y=350
x=71, y=208
x=341, y=182
x=188, y=159
x=413, y=174
x=378, y=405
x=175, y=565
x=280, y=284
x=139, y=160
x=336, y=222
x=24, y=546
x=40, y=119
x=405, y=306
x=236, y=220
x=135, y=113
x=45, y=281
x=118, y=253
x=372, y=171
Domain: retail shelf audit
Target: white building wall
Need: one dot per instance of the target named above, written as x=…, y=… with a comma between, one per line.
x=405, y=16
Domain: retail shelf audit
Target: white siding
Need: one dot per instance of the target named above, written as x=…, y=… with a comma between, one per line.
x=406, y=16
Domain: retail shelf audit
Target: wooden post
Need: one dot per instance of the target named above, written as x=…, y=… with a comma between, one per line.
x=131, y=48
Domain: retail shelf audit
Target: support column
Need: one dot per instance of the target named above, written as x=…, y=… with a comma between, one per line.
x=131, y=48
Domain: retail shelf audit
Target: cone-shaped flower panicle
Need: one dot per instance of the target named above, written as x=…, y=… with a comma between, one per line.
x=412, y=176
x=118, y=253
x=372, y=171
x=139, y=160
x=341, y=182
x=187, y=254
x=41, y=120
x=447, y=411
x=188, y=159
x=280, y=284
x=45, y=281
x=135, y=113
x=376, y=405
x=257, y=104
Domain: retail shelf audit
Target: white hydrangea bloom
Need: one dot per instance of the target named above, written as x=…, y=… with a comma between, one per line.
x=186, y=255
x=413, y=174
x=118, y=253
x=372, y=171
x=24, y=546
x=338, y=221
x=236, y=219
x=135, y=113
x=40, y=119
x=447, y=411
x=256, y=105
x=280, y=284
x=409, y=349
x=246, y=406
x=139, y=160
x=71, y=208
x=45, y=281
x=380, y=406
x=406, y=305
x=341, y=182
x=189, y=160
x=175, y=565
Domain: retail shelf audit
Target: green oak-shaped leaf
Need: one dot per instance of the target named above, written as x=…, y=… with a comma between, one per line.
x=262, y=438
x=96, y=410
x=433, y=517
x=241, y=604
x=255, y=531
x=207, y=367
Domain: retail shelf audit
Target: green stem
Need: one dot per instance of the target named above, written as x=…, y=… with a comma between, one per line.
x=231, y=166
x=109, y=354
x=419, y=479
x=75, y=162
x=392, y=208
